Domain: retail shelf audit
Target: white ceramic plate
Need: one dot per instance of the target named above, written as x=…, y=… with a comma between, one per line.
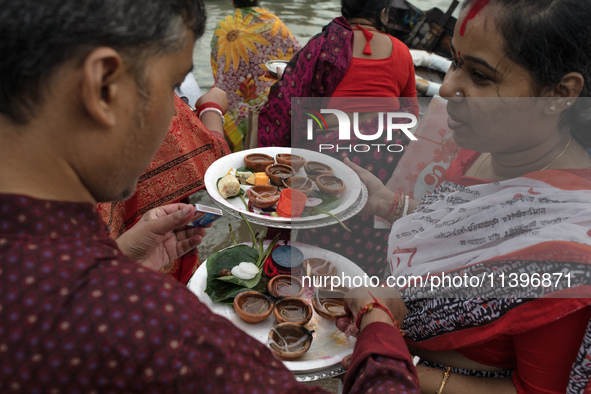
x=328, y=348
x=236, y=160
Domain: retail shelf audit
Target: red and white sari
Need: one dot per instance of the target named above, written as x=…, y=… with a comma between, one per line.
x=534, y=226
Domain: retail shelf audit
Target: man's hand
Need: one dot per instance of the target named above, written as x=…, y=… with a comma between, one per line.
x=161, y=236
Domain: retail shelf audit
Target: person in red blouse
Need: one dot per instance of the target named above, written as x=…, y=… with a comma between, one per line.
x=86, y=97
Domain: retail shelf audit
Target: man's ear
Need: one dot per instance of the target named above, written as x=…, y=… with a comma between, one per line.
x=565, y=93
x=103, y=75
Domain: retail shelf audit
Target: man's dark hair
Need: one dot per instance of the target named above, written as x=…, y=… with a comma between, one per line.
x=245, y=3
x=550, y=38
x=37, y=36
x=370, y=10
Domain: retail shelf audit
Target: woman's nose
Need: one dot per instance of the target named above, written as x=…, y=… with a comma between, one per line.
x=450, y=88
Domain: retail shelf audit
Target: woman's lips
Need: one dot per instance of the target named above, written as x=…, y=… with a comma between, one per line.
x=453, y=123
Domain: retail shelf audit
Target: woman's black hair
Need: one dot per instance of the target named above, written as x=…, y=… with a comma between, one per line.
x=550, y=38
x=245, y=3
x=366, y=9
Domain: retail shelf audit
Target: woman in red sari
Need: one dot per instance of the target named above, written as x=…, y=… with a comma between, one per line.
x=513, y=211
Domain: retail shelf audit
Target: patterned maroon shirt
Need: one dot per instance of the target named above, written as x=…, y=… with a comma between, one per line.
x=76, y=315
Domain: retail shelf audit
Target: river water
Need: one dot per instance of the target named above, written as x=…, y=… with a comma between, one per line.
x=305, y=18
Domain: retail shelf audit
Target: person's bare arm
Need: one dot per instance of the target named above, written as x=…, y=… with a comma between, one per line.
x=212, y=120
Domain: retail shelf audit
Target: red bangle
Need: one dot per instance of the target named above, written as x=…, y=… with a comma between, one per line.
x=209, y=104
x=369, y=307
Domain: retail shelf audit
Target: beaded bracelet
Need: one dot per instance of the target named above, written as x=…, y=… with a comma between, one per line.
x=376, y=304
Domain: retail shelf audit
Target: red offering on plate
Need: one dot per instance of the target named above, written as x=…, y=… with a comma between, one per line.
x=291, y=203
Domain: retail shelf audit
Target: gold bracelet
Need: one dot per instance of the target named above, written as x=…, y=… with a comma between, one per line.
x=444, y=381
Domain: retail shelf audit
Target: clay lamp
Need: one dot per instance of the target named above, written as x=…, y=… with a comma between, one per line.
x=263, y=196
x=289, y=340
x=330, y=184
x=279, y=172
x=319, y=267
x=315, y=168
x=294, y=161
x=301, y=183
x=285, y=286
x=253, y=307
x=258, y=161
x=293, y=310
x=329, y=304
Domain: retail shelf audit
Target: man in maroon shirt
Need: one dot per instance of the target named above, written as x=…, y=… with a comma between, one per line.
x=86, y=95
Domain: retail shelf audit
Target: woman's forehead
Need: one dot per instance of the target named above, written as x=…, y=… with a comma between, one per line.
x=471, y=12
x=476, y=34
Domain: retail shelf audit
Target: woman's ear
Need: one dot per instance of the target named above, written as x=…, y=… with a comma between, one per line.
x=103, y=71
x=571, y=85
x=384, y=16
x=565, y=93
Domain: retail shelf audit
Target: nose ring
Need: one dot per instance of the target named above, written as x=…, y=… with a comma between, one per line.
x=458, y=94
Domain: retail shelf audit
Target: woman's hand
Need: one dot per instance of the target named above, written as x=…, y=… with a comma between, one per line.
x=361, y=296
x=380, y=197
x=161, y=236
x=212, y=120
x=215, y=95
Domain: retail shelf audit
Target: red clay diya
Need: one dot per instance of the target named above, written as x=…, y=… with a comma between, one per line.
x=252, y=306
x=315, y=168
x=279, y=172
x=289, y=341
x=258, y=161
x=294, y=161
x=300, y=183
x=263, y=196
x=285, y=286
x=293, y=310
x=329, y=304
x=330, y=184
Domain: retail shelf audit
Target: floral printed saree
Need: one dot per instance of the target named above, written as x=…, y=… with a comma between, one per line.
x=241, y=45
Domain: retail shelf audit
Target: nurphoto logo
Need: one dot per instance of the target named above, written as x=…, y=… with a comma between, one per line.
x=392, y=123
